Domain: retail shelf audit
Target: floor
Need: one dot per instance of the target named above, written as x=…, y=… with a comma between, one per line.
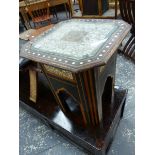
x=37, y=138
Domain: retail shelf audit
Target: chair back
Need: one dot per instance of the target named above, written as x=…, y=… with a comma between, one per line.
x=38, y=11
x=127, y=10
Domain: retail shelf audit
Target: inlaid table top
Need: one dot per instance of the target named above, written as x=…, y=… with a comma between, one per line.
x=77, y=44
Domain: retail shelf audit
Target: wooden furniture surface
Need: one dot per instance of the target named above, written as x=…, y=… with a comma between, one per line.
x=70, y=51
x=94, y=140
x=32, y=33
x=96, y=9
x=70, y=31
x=24, y=17
x=78, y=61
x=52, y=2
x=26, y=34
x=93, y=7
x=39, y=13
x=39, y=31
x=127, y=10
x=23, y=8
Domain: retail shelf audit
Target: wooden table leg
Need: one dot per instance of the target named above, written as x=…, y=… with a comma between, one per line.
x=70, y=8
x=116, y=7
x=66, y=10
x=33, y=85
x=25, y=18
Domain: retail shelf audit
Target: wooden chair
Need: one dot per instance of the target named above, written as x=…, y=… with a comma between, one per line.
x=39, y=12
x=127, y=10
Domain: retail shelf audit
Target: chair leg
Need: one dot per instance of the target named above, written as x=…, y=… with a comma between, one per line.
x=34, y=25
x=129, y=48
x=55, y=12
x=33, y=85
x=50, y=22
x=66, y=10
x=126, y=45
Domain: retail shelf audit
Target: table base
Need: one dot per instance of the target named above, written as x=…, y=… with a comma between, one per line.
x=94, y=140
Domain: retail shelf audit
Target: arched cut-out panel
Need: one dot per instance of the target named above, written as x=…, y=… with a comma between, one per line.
x=68, y=101
x=107, y=92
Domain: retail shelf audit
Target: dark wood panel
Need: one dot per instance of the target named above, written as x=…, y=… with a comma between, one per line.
x=95, y=7
x=90, y=7
x=94, y=139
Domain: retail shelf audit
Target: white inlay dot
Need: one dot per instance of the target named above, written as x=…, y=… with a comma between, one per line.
x=103, y=51
x=59, y=60
x=33, y=53
x=98, y=58
x=107, y=46
x=26, y=49
x=32, y=36
x=110, y=43
x=54, y=58
x=73, y=63
x=81, y=63
x=100, y=55
x=43, y=55
x=89, y=60
x=66, y=61
x=38, y=54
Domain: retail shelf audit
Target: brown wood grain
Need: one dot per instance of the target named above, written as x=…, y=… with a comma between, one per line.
x=40, y=31
x=32, y=33
x=39, y=12
x=95, y=140
x=33, y=85
x=23, y=8
x=93, y=96
x=87, y=89
x=127, y=10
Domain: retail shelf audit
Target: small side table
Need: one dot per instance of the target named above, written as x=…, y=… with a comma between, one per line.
x=78, y=59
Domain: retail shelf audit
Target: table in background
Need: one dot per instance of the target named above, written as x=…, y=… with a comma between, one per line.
x=23, y=9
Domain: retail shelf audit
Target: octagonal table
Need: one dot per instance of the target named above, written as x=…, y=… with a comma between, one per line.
x=78, y=59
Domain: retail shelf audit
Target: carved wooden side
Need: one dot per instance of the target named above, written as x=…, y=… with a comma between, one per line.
x=86, y=86
x=59, y=80
x=60, y=73
x=101, y=74
x=52, y=89
x=33, y=85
